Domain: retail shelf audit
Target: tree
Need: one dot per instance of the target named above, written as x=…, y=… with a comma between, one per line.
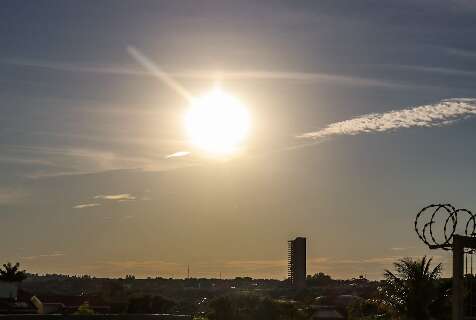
x=319, y=279
x=411, y=288
x=84, y=309
x=251, y=307
x=148, y=304
x=366, y=309
x=222, y=309
x=12, y=273
x=267, y=309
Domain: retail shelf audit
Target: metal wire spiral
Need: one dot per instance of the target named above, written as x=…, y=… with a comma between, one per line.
x=427, y=226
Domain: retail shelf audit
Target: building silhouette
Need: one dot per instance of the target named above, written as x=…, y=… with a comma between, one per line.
x=297, y=262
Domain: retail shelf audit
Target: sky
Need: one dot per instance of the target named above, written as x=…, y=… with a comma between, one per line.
x=362, y=112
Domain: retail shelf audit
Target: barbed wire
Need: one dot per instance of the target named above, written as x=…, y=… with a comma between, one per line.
x=428, y=226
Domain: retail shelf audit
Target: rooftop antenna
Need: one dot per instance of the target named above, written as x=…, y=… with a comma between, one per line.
x=188, y=271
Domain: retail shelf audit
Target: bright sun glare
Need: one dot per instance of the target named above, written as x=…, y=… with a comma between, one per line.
x=217, y=122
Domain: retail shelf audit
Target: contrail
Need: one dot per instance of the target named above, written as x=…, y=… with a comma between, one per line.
x=242, y=74
x=439, y=114
x=150, y=66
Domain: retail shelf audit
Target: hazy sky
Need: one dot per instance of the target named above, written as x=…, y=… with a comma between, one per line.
x=350, y=134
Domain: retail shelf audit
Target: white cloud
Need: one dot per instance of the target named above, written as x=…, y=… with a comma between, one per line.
x=439, y=70
x=461, y=52
x=86, y=205
x=178, y=154
x=434, y=115
x=119, y=197
x=46, y=255
x=50, y=161
x=243, y=74
x=115, y=197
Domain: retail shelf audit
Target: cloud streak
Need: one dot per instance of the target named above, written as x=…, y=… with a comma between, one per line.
x=108, y=197
x=436, y=70
x=48, y=161
x=86, y=205
x=339, y=268
x=439, y=114
x=244, y=74
x=118, y=197
x=178, y=154
x=47, y=255
x=10, y=196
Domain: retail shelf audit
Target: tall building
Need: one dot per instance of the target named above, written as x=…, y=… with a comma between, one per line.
x=297, y=262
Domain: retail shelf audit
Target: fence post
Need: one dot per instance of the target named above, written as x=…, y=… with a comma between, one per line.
x=458, y=278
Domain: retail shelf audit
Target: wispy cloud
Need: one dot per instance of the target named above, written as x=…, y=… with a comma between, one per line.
x=434, y=115
x=86, y=205
x=67, y=160
x=338, y=268
x=178, y=154
x=10, y=196
x=402, y=248
x=118, y=197
x=108, y=197
x=137, y=267
x=244, y=74
x=46, y=255
x=437, y=70
x=370, y=267
x=461, y=52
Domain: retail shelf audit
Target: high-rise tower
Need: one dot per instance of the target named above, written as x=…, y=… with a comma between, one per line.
x=297, y=262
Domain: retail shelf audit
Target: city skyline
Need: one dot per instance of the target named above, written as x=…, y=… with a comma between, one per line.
x=347, y=117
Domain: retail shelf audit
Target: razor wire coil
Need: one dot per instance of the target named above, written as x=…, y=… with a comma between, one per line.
x=428, y=226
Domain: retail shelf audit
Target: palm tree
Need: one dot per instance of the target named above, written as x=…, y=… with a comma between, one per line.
x=12, y=273
x=411, y=288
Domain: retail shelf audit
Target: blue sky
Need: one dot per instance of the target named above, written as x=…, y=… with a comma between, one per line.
x=85, y=132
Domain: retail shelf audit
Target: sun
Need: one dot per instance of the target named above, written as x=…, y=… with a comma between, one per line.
x=217, y=122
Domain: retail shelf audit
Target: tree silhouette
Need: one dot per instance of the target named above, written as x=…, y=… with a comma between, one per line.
x=84, y=309
x=251, y=307
x=12, y=273
x=412, y=287
x=149, y=304
x=319, y=279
